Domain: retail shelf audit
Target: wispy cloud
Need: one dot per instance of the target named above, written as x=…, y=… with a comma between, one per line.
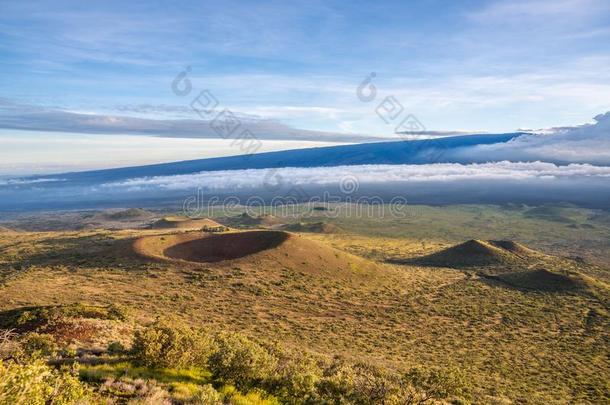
x=504, y=11
x=21, y=182
x=27, y=117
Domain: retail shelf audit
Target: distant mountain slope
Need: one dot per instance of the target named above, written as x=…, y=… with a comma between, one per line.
x=174, y=222
x=396, y=152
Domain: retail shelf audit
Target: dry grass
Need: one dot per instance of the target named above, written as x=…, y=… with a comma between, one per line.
x=525, y=346
x=176, y=222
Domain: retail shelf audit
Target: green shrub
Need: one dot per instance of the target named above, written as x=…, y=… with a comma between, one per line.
x=240, y=361
x=115, y=348
x=358, y=383
x=118, y=312
x=291, y=377
x=337, y=383
x=425, y=384
x=69, y=351
x=39, y=344
x=23, y=320
x=371, y=384
x=206, y=395
x=171, y=346
x=25, y=317
x=35, y=383
x=295, y=377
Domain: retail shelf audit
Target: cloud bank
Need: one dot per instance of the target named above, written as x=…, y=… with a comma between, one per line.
x=228, y=180
x=442, y=183
x=589, y=143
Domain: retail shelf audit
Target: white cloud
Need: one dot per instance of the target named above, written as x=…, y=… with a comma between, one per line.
x=366, y=174
x=21, y=182
x=585, y=143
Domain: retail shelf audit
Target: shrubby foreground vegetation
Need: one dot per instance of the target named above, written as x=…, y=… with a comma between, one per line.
x=169, y=362
x=294, y=377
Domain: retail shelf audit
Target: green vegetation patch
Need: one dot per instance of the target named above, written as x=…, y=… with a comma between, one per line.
x=30, y=318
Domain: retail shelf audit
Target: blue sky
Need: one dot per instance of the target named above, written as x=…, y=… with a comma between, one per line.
x=469, y=65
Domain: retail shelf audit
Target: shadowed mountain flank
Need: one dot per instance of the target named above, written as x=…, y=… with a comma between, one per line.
x=555, y=281
x=479, y=253
x=516, y=266
x=515, y=248
x=546, y=280
x=127, y=215
x=226, y=247
x=247, y=220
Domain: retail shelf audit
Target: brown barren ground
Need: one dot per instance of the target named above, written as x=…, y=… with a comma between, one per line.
x=281, y=248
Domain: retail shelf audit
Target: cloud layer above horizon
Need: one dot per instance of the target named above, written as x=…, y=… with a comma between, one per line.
x=231, y=180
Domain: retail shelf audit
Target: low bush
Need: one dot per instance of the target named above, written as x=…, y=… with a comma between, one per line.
x=115, y=348
x=36, y=383
x=29, y=319
x=206, y=395
x=118, y=312
x=372, y=384
x=295, y=377
x=425, y=384
x=171, y=346
x=338, y=383
x=39, y=344
x=270, y=373
x=240, y=361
